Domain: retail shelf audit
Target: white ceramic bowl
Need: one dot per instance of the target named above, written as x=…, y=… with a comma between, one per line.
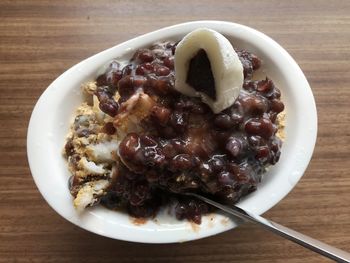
x=54, y=111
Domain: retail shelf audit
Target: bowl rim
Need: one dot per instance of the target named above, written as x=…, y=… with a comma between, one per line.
x=128, y=235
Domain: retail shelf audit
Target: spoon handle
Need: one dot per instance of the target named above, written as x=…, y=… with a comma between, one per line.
x=301, y=239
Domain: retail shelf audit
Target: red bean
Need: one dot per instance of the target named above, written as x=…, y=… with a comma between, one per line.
x=263, y=154
x=237, y=118
x=161, y=71
x=223, y=121
x=181, y=162
x=103, y=93
x=277, y=105
x=169, y=151
x=129, y=146
x=145, y=55
x=69, y=148
x=217, y=163
x=250, y=85
x=127, y=70
x=160, y=114
x=169, y=62
x=112, y=75
x=158, y=86
x=262, y=127
x=265, y=86
x=255, y=105
x=256, y=62
x=109, y=129
x=225, y=179
x=109, y=107
x=148, y=141
x=160, y=54
x=125, y=87
x=256, y=141
x=234, y=146
x=138, y=81
x=153, y=156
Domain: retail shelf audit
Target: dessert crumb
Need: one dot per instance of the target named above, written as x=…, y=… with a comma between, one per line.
x=138, y=221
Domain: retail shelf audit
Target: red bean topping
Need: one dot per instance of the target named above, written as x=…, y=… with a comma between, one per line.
x=183, y=145
x=109, y=107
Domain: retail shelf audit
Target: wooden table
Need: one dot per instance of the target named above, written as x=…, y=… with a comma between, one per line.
x=41, y=39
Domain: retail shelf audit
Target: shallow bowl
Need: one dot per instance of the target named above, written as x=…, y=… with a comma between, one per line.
x=53, y=113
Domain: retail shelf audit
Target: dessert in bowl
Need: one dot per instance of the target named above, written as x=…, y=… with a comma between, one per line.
x=185, y=144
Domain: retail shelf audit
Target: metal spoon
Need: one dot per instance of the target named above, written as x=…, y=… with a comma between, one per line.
x=301, y=239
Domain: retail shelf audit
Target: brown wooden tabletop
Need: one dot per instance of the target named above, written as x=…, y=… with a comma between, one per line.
x=41, y=39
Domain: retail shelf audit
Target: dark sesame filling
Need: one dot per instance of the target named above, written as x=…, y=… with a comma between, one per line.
x=200, y=75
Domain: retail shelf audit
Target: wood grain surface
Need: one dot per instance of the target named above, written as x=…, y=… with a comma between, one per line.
x=41, y=39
